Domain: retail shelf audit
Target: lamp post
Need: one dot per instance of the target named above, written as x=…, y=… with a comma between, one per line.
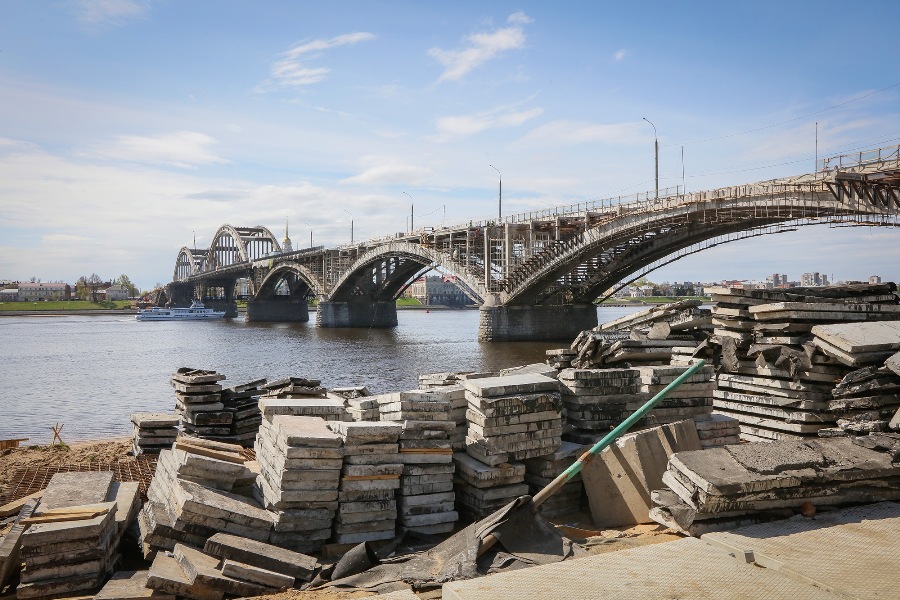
x=351, y=224
x=310, y=234
x=499, y=195
x=655, y=153
x=412, y=211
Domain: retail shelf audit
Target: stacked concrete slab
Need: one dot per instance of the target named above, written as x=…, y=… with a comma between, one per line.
x=363, y=408
x=153, y=432
x=300, y=462
x=513, y=417
x=692, y=400
x=198, y=401
x=718, y=430
x=302, y=397
x=597, y=400
x=482, y=489
x=721, y=488
x=242, y=401
x=367, y=508
x=73, y=536
x=292, y=567
x=425, y=497
x=777, y=380
x=11, y=544
x=561, y=358
x=541, y=471
x=190, y=497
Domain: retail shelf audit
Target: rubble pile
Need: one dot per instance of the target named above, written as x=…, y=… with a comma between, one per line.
x=153, y=432
x=777, y=373
x=482, y=489
x=721, y=488
x=512, y=417
x=242, y=401
x=302, y=397
x=438, y=380
x=191, y=497
x=541, y=471
x=425, y=497
x=561, y=358
x=684, y=315
x=367, y=509
x=300, y=461
x=73, y=535
x=198, y=401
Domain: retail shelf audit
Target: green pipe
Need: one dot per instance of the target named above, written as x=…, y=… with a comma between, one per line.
x=610, y=437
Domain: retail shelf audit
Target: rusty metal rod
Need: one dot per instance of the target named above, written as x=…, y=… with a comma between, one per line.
x=563, y=478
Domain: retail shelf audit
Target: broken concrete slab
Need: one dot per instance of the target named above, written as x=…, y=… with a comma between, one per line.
x=203, y=569
x=262, y=555
x=130, y=585
x=167, y=576
x=257, y=575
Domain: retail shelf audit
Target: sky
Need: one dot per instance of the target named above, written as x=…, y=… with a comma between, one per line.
x=131, y=128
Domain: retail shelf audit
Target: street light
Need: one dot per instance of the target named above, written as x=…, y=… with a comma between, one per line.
x=310, y=235
x=499, y=195
x=351, y=224
x=655, y=153
x=412, y=212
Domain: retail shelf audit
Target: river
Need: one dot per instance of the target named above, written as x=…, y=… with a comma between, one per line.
x=92, y=372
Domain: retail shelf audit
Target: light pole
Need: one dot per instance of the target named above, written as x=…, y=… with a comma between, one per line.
x=655, y=153
x=412, y=211
x=499, y=195
x=310, y=234
x=351, y=224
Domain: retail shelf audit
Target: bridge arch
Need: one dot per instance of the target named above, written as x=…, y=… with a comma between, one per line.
x=231, y=245
x=581, y=268
x=299, y=279
x=190, y=261
x=384, y=272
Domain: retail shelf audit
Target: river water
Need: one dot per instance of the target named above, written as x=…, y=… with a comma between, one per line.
x=92, y=372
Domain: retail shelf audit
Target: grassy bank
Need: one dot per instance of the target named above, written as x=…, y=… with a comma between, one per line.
x=64, y=305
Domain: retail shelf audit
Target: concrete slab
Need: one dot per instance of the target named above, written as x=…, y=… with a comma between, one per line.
x=256, y=575
x=686, y=569
x=852, y=552
x=167, y=576
x=310, y=432
x=490, y=387
x=874, y=336
x=130, y=585
x=262, y=555
x=75, y=489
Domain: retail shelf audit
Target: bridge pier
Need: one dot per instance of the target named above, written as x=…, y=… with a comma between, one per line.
x=229, y=306
x=286, y=310
x=357, y=314
x=521, y=323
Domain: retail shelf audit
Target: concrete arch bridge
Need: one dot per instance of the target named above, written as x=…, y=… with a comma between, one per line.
x=535, y=275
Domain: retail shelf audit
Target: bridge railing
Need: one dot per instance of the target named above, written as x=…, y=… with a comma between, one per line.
x=859, y=159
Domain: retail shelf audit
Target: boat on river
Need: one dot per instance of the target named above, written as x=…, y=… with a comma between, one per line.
x=196, y=312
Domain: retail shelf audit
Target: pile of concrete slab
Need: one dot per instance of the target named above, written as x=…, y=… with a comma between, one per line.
x=437, y=380
x=72, y=538
x=482, y=489
x=561, y=358
x=541, y=471
x=684, y=315
x=717, y=430
x=692, y=400
x=425, y=497
x=190, y=497
x=513, y=417
x=367, y=508
x=242, y=401
x=737, y=485
x=302, y=397
x=153, y=432
x=363, y=408
x=778, y=373
x=300, y=461
x=198, y=401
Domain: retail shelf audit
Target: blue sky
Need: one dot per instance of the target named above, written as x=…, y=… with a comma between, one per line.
x=131, y=126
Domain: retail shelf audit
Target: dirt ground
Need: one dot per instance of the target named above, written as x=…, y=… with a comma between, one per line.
x=81, y=453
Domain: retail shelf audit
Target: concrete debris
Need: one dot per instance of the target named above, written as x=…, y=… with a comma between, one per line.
x=242, y=400
x=620, y=479
x=426, y=500
x=541, y=471
x=154, y=432
x=352, y=392
x=683, y=315
x=198, y=401
x=482, y=489
x=783, y=350
x=264, y=556
x=721, y=488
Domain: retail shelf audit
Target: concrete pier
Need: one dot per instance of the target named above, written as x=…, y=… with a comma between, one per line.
x=286, y=310
x=534, y=323
x=229, y=306
x=357, y=314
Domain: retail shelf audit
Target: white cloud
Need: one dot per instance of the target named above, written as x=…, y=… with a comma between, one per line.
x=382, y=170
x=568, y=133
x=620, y=55
x=292, y=70
x=480, y=48
x=184, y=149
x=109, y=12
x=461, y=126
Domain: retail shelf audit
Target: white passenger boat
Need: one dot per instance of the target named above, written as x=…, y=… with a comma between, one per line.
x=197, y=312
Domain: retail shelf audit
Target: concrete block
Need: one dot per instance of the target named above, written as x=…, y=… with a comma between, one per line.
x=244, y=572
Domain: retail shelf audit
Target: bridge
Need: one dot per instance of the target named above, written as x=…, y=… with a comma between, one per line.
x=535, y=275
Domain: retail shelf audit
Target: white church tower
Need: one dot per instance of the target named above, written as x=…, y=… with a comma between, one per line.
x=286, y=243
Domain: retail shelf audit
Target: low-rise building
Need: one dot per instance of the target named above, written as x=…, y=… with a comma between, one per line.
x=9, y=295
x=116, y=292
x=33, y=292
x=435, y=289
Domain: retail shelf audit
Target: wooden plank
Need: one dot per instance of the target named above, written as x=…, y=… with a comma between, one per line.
x=12, y=508
x=226, y=456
